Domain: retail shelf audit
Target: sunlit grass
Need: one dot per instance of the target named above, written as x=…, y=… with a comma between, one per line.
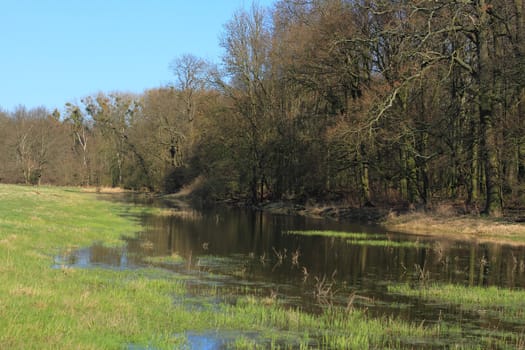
x=49, y=308
x=165, y=259
x=361, y=238
x=336, y=328
x=505, y=304
x=388, y=243
x=339, y=234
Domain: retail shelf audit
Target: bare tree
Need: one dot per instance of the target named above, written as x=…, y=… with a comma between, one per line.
x=191, y=78
x=247, y=42
x=34, y=140
x=81, y=135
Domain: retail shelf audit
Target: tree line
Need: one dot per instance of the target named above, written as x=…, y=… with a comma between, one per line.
x=367, y=102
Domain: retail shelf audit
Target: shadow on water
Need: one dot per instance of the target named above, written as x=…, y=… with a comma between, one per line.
x=251, y=252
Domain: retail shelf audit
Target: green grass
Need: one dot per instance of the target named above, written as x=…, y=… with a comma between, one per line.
x=69, y=308
x=361, y=238
x=336, y=328
x=505, y=304
x=168, y=259
x=339, y=234
x=388, y=243
x=45, y=308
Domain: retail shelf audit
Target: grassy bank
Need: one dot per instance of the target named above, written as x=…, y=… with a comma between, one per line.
x=67, y=308
x=43, y=307
x=465, y=227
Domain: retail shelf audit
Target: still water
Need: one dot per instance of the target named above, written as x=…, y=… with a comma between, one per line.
x=245, y=251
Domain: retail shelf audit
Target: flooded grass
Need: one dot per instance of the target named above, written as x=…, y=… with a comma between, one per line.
x=72, y=307
x=361, y=238
x=335, y=328
x=174, y=258
x=501, y=308
x=504, y=304
x=388, y=243
x=339, y=234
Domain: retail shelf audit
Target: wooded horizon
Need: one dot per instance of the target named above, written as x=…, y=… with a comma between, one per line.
x=362, y=102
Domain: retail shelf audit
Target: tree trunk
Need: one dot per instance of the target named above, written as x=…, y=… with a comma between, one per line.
x=403, y=181
x=474, y=164
x=364, y=177
x=253, y=185
x=423, y=183
x=494, y=200
x=413, y=192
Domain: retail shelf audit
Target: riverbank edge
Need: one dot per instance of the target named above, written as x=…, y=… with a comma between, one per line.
x=444, y=221
x=70, y=307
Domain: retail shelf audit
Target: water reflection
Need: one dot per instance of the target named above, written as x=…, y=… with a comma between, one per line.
x=272, y=255
x=216, y=340
x=242, y=250
x=97, y=255
x=265, y=252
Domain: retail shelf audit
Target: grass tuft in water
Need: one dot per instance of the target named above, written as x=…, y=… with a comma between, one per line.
x=361, y=238
x=505, y=304
x=173, y=259
x=388, y=243
x=340, y=234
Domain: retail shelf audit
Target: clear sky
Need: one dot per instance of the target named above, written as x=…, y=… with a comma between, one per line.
x=58, y=51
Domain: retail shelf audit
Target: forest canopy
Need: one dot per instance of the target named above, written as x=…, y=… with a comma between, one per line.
x=365, y=102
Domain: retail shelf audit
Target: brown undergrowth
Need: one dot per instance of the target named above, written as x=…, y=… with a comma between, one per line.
x=442, y=220
x=454, y=226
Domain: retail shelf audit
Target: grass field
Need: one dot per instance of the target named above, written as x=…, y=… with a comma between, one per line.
x=50, y=308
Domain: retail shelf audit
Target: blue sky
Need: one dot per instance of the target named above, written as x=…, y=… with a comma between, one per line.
x=58, y=51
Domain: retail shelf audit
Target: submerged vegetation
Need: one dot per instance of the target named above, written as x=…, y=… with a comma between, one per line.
x=387, y=243
x=361, y=238
x=504, y=304
x=492, y=305
x=165, y=259
x=339, y=234
x=44, y=307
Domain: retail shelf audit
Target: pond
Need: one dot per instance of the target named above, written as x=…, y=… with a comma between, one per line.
x=276, y=256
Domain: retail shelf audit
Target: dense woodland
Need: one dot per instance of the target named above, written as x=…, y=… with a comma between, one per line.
x=364, y=102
